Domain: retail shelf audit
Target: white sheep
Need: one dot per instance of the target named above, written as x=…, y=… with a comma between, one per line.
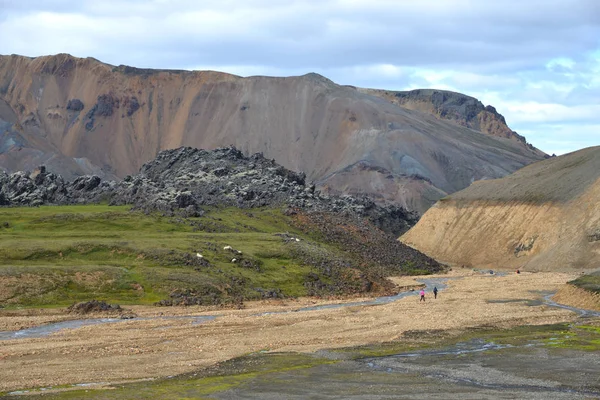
x=199, y=255
x=297, y=240
x=227, y=248
x=239, y=252
x=234, y=260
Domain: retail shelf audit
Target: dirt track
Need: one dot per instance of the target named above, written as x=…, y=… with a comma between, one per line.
x=138, y=349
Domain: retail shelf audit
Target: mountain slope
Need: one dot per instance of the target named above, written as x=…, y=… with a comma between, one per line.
x=81, y=116
x=543, y=217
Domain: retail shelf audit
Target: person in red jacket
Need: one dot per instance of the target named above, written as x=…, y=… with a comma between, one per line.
x=422, y=293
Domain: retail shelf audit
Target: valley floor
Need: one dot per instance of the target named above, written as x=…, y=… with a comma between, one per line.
x=156, y=346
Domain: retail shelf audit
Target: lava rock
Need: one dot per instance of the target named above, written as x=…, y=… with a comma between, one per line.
x=181, y=181
x=87, y=307
x=75, y=105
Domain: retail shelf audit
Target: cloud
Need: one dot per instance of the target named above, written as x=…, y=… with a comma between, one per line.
x=326, y=33
x=561, y=138
x=537, y=61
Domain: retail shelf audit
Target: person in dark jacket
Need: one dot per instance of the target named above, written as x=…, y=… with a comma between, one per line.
x=435, y=292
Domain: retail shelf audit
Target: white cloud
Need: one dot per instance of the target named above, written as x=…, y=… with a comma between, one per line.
x=561, y=139
x=536, y=61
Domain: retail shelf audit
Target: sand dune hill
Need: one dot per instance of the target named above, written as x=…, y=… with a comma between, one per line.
x=81, y=115
x=543, y=217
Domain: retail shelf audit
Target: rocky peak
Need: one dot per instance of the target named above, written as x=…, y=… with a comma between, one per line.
x=456, y=107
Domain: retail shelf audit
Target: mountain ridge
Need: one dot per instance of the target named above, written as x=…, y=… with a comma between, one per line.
x=55, y=110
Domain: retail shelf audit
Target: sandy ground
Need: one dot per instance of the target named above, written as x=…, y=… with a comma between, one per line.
x=138, y=349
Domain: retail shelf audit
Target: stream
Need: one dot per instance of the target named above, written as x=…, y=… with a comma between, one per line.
x=430, y=283
x=45, y=330
x=475, y=369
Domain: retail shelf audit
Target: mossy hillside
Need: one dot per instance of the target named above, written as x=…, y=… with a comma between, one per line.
x=73, y=253
x=53, y=256
x=590, y=282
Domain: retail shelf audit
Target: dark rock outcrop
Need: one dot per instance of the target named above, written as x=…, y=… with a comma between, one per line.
x=75, y=105
x=183, y=180
x=91, y=306
x=458, y=108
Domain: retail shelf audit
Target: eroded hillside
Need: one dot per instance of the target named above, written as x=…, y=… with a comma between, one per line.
x=543, y=217
x=81, y=116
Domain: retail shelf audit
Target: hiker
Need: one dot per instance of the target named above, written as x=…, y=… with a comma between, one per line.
x=518, y=272
x=435, y=292
x=422, y=293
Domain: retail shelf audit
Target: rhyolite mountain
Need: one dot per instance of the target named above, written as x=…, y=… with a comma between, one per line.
x=81, y=116
x=545, y=216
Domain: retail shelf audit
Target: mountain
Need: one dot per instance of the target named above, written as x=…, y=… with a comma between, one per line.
x=81, y=116
x=545, y=216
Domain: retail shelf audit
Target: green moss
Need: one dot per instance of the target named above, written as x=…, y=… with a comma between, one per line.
x=589, y=328
x=590, y=282
x=55, y=252
x=578, y=337
x=53, y=256
x=379, y=350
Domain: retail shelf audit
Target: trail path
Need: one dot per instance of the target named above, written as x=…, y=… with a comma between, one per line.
x=159, y=347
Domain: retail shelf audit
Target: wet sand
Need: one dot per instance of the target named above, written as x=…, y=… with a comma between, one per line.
x=151, y=348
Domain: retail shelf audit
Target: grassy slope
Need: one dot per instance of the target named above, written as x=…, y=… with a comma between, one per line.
x=557, y=179
x=53, y=256
x=590, y=282
x=62, y=254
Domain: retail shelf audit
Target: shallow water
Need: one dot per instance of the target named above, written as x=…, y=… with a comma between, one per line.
x=45, y=330
x=429, y=283
x=475, y=369
x=582, y=312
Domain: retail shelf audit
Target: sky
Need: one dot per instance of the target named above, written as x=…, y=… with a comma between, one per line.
x=537, y=62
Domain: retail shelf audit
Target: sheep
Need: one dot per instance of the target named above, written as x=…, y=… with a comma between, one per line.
x=234, y=260
x=199, y=255
x=239, y=252
x=227, y=248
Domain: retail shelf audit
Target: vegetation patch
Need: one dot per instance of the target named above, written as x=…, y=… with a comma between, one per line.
x=58, y=255
x=590, y=282
x=578, y=337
